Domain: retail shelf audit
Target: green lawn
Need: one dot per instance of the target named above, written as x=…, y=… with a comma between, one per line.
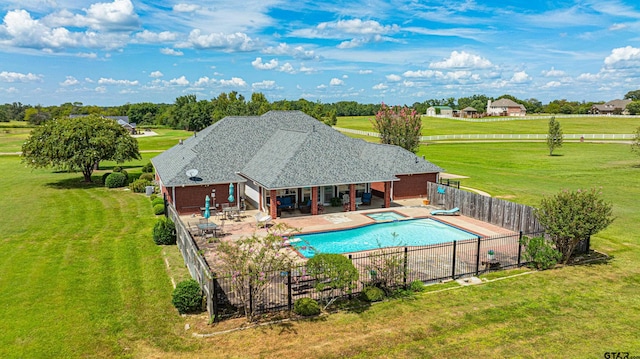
x=442, y=126
x=81, y=277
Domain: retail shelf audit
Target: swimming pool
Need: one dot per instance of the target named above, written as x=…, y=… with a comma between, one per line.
x=385, y=216
x=411, y=232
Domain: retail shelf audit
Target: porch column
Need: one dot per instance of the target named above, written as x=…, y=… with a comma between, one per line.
x=387, y=194
x=314, y=201
x=352, y=197
x=273, y=209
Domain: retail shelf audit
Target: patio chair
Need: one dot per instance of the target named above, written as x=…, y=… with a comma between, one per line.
x=451, y=212
x=366, y=198
x=263, y=219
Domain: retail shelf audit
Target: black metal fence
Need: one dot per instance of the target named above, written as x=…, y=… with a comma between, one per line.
x=397, y=267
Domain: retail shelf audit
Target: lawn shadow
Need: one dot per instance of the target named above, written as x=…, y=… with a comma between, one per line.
x=590, y=259
x=75, y=183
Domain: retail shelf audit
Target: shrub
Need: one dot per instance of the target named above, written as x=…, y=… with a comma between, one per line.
x=372, y=294
x=336, y=202
x=153, y=197
x=104, y=177
x=334, y=275
x=306, y=307
x=187, y=297
x=148, y=168
x=157, y=200
x=139, y=185
x=540, y=253
x=117, y=169
x=147, y=176
x=417, y=286
x=115, y=180
x=158, y=209
x=164, y=232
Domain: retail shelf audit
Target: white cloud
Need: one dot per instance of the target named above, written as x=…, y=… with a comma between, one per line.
x=393, y=78
x=258, y=64
x=616, y=27
x=380, y=86
x=6, y=76
x=171, y=52
x=203, y=81
x=462, y=60
x=321, y=87
x=156, y=74
x=551, y=84
x=87, y=55
x=70, y=81
x=408, y=83
x=358, y=27
x=353, y=43
x=229, y=42
x=234, y=82
x=520, y=77
x=288, y=68
x=589, y=77
x=147, y=36
x=264, y=85
x=422, y=73
x=182, y=7
x=117, y=15
x=365, y=72
x=623, y=57
x=110, y=81
x=180, y=81
x=298, y=52
x=553, y=72
x=336, y=82
x=101, y=89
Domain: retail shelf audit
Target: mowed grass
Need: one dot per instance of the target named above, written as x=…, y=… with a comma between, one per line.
x=81, y=277
x=443, y=126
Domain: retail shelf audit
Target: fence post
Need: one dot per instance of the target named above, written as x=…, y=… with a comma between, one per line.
x=289, y=294
x=520, y=250
x=588, y=244
x=478, y=257
x=406, y=257
x=214, y=297
x=453, y=261
x=164, y=202
x=349, y=294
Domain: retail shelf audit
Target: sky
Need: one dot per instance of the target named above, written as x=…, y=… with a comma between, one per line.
x=110, y=53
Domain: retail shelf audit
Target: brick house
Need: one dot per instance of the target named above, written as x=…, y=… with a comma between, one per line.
x=505, y=107
x=286, y=154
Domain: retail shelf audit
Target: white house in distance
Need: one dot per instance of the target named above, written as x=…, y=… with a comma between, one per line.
x=445, y=111
x=505, y=107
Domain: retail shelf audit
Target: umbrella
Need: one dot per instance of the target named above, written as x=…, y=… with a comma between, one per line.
x=231, y=199
x=207, y=212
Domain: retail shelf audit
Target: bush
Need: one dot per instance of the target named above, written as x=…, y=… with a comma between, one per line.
x=157, y=200
x=187, y=297
x=115, y=180
x=153, y=197
x=417, y=286
x=336, y=202
x=539, y=253
x=164, y=232
x=148, y=168
x=158, y=209
x=104, y=177
x=147, y=176
x=306, y=307
x=372, y=294
x=139, y=185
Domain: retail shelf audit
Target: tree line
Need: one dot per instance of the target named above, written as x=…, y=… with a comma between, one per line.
x=189, y=113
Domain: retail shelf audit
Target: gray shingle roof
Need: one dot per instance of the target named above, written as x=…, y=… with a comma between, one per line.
x=283, y=149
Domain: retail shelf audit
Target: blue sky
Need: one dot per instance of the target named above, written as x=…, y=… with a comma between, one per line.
x=113, y=52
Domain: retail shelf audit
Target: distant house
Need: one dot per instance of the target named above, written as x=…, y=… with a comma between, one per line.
x=286, y=156
x=469, y=112
x=440, y=111
x=121, y=120
x=505, y=107
x=611, y=107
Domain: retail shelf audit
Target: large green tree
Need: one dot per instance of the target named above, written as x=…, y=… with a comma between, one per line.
x=572, y=216
x=635, y=142
x=79, y=144
x=555, y=137
x=399, y=126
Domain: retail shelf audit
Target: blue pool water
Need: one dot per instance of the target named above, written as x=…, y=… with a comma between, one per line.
x=385, y=216
x=413, y=232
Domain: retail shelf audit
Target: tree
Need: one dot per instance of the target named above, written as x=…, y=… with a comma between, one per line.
x=635, y=143
x=554, y=138
x=253, y=261
x=572, y=216
x=334, y=275
x=79, y=144
x=632, y=95
x=399, y=126
x=634, y=108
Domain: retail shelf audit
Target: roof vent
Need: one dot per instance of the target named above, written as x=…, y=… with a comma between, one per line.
x=416, y=159
x=180, y=142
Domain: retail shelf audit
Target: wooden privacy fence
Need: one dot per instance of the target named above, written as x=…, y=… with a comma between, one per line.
x=505, y=214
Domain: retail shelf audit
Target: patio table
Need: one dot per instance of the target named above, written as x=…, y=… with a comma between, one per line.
x=208, y=227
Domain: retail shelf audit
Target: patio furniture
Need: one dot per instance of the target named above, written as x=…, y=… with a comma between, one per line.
x=207, y=227
x=366, y=198
x=305, y=207
x=450, y=212
x=285, y=203
x=263, y=219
